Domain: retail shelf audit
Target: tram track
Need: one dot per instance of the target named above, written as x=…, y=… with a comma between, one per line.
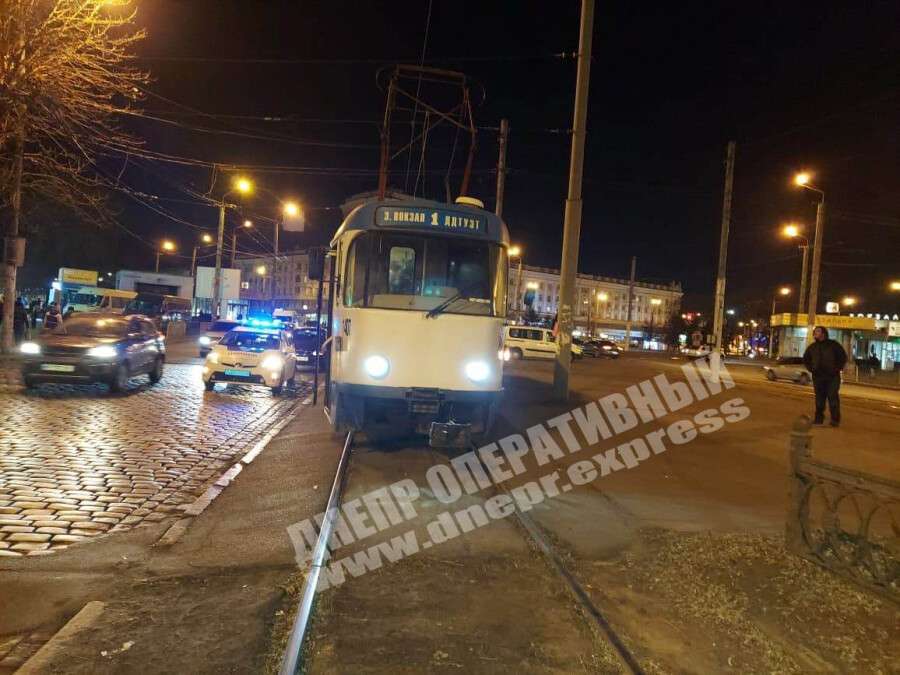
x=293, y=657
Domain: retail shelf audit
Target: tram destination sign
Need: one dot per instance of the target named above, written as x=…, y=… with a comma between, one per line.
x=430, y=219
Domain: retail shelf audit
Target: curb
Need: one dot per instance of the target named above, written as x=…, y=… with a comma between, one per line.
x=42, y=661
x=174, y=533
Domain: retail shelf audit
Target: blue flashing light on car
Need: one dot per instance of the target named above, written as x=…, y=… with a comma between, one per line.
x=261, y=323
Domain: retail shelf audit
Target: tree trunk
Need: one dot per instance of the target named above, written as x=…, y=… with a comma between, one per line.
x=12, y=231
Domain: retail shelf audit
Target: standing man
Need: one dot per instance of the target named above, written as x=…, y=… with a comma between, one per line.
x=825, y=359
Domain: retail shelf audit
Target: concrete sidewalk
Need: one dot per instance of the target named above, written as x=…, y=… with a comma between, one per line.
x=204, y=604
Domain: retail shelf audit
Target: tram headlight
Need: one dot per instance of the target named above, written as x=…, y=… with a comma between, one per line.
x=376, y=366
x=478, y=371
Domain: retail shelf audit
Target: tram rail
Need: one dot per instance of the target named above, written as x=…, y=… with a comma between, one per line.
x=292, y=659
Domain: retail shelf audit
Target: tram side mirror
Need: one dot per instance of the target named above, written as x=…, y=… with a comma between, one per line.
x=316, y=264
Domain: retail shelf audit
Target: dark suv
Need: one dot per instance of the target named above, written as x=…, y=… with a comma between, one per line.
x=94, y=347
x=306, y=345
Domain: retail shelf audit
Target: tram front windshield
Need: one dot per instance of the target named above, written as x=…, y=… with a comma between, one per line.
x=420, y=272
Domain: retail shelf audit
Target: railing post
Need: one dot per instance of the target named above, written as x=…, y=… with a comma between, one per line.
x=799, y=449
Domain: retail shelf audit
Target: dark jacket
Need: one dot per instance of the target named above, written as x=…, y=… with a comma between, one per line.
x=825, y=359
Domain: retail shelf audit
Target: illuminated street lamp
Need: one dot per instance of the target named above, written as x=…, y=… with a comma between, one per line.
x=848, y=301
x=516, y=252
x=206, y=239
x=784, y=291
x=793, y=231
x=243, y=186
x=895, y=286
x=165, y=246
x=247, y=224
x=654, y=303
x=803, y=180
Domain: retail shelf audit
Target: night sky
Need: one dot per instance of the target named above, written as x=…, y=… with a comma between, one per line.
x=797, y=85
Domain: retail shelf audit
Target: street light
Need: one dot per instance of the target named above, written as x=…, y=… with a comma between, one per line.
x=516, y=252
x=895, y=286
x=165, y=246
x=803, y=180
x=244, y=186
x=247, y=224
x=206, y=239
x=849, y=301
x=793, y=231
x=654, y=302
x=784, y=291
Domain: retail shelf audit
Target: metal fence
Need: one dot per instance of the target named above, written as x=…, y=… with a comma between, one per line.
x=845, y=520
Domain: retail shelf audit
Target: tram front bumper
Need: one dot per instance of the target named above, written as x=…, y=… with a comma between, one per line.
x=447, y=416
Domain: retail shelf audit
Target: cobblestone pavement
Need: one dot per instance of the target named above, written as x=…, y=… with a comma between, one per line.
x=77, y=462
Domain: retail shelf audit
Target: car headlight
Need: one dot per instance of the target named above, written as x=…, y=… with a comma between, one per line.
x=376, y=366
x=477, y=371
x=272, y=362
x=213, y=357
x=607, y=347
x=503, y=355
x=102, y=352
x=204, y=340
x=30, y=348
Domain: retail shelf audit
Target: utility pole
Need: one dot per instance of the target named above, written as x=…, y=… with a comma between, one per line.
x=803, y=276
x=217, y=279
x=275, y=263
x=572, y=221
x=590, y=305
x=501, y=166
x=233, y=246
x=630, y=303
x=816, y=266
x=519, y=286
x=719, y=306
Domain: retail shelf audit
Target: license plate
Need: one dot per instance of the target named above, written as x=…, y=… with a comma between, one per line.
x=58, y=367
x=238, y=373
x=303, y=358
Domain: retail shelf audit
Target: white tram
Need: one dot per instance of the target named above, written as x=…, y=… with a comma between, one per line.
x=418, y=310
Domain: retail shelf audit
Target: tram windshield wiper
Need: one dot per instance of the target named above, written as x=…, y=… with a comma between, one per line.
x=449, y=301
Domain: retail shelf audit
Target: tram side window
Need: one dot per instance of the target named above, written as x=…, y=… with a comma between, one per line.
x=355, y=277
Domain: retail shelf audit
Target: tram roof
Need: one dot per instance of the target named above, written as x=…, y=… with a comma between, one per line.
x=424, y=215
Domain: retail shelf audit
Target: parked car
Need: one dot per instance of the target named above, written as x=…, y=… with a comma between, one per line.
x=789, y=368
x=213, y=334
x=306, y=346
x=526, y=342
x=254, y=356
x=95, y=347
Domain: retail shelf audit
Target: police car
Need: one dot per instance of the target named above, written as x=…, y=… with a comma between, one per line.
x=252, y=355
